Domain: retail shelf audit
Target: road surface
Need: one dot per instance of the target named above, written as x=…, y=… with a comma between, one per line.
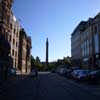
x=48, y=86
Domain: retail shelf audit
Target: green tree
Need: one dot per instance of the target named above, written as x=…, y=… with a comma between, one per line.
x=36, y=63
x=37, y=59
x=67, y=61
x=32, y=62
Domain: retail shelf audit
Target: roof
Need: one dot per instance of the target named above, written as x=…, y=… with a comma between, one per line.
x=79, y=27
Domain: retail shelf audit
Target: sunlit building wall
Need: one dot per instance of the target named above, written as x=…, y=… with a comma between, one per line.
x=89, y=49
x=24, y=52
x=14, y=39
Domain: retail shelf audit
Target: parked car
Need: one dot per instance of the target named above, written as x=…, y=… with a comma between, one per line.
x=83, y=75
x=34, y=73
x=12, y=71
x=94, y=76
x=74, y=73
x=61, y=71
x=80, y=75
x=68, y=73
x=53, y=71
x=75, y=68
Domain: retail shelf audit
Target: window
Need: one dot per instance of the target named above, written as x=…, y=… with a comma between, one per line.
x=95, y=29
x=13, y=52
x=7, y=18
x=96, y=40
x=17, y=34
x=13, y=41
x=87, y=47
x=15, y=63
x=11, y=26
x=16, y=44
x=10, y=38
x=16, y=53
x=14, y=30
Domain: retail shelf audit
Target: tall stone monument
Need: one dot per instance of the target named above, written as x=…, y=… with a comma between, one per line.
x=47, y=51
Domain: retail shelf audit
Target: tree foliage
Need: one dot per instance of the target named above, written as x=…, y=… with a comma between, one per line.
x=36, y=63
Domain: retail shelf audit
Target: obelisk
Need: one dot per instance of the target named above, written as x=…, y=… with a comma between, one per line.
x=47, y=50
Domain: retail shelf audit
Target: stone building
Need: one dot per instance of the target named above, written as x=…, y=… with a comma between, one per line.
x=10, y=27
x=13, y=38
x=76, y=41
x=88, y=38
x=19, y=41
x=28, y=57
x=24, y=52
x=5, y=11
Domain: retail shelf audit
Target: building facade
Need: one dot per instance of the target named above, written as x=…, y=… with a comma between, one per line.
x=28, y=57
x=10, y=27
x=13, y=38
x=85, y=42
x=19, y=41
x=24, y=52
x=5, y=10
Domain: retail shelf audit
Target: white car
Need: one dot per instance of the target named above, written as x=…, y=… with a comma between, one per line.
x=61, y=71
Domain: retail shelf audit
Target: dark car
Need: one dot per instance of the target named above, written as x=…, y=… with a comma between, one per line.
x=53, y=71
x=12, y=72
x=80, y=75
x=94, y=76
x=34, y=73
x=75, y=68
x=83, y=75
x=68, y=73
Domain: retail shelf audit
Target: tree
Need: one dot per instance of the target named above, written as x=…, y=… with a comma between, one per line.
x=32, y=62
x=67, y=61
x=36, y=64
x=37, y=59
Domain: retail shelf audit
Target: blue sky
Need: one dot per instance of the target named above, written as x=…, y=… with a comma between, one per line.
x=55, y=19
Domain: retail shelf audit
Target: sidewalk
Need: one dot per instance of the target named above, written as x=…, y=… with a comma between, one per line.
x=4, y=85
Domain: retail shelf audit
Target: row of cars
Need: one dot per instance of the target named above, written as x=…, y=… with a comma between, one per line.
x=86, y=75
x=92, y=76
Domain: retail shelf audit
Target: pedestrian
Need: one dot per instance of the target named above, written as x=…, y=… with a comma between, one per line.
x=36, y=73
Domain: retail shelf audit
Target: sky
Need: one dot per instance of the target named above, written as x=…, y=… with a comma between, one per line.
x=55, y=19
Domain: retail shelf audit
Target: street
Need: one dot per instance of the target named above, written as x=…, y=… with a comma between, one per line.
x=48, y=86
